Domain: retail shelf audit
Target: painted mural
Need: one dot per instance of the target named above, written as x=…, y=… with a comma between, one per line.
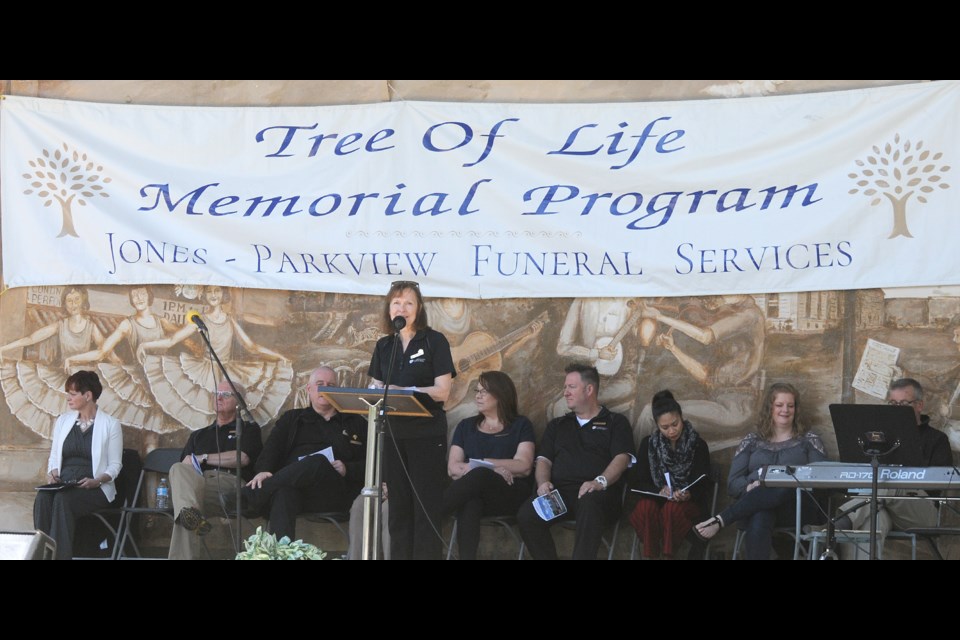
x=716, y=353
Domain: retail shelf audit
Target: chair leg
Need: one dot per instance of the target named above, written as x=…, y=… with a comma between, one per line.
x=453, y=536
x=633, y=547
x=736, y=545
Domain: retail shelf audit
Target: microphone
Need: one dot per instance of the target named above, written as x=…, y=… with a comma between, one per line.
x=398, y=323
x=194, y=317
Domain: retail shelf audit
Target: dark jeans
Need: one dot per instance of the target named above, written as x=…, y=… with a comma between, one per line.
x=592, y=512
x=482, y=492
x=312, y=484
x=56, y=514
x=763, y=509
x=415, y=523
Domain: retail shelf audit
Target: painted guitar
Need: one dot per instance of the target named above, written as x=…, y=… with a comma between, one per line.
x=480, y=352
x=610, y=367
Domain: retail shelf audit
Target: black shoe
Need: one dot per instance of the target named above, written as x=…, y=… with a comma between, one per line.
x=191, y=519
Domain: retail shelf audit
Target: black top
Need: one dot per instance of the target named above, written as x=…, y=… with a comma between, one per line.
x=700, y=492
x=499, y=446
x=300, y=432
x=77, y=454
x=425, y=358
x=582, y=453
x=206, y=441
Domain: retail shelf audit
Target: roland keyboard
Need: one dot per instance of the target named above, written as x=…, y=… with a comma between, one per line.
x=842, y=475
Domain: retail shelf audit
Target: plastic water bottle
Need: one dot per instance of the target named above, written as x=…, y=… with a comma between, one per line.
x=163, y=494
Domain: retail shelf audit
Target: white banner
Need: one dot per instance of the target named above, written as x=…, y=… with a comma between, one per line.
x=839, y=190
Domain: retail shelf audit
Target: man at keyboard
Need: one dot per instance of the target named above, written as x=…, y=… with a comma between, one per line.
x=901, y=514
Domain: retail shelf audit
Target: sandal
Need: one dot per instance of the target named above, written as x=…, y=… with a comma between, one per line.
x=699, y=530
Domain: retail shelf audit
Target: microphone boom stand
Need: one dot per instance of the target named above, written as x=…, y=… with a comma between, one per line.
x=241, y=407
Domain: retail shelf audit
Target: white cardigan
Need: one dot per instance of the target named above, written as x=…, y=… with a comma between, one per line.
x=106, y=449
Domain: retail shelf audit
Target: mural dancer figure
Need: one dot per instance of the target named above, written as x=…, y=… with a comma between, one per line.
x=34, y=390
x=183, y=384
x=126, y=395
x=733, y=327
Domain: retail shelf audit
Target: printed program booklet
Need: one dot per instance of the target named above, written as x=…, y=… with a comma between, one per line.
x=550, y=505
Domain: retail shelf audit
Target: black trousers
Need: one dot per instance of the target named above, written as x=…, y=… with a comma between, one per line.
x=56, y=514
x=482, y=492
x=415, y=527
x=592, y=512
x=312, y=484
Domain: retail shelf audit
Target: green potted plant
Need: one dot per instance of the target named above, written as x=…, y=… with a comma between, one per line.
x=265, y=546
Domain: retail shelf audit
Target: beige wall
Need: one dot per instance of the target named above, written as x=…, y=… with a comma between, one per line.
x=813, y=340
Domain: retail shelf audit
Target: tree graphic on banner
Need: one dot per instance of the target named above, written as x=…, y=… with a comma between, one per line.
x=67, y=178
x=897, y=172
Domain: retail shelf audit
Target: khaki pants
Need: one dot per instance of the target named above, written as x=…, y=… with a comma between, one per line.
x=891, y=514
x=208, y=493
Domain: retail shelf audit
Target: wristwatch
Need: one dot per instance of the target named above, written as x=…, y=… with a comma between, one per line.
x=602, y=481
x=203, y=458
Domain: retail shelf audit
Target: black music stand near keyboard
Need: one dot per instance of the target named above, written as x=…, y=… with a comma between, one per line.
x=872, y=427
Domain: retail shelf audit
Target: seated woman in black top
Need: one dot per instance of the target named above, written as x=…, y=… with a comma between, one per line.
x=504, y=441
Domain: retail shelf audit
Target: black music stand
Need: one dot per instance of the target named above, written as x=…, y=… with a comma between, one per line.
x=401, y=402
x=856, y=426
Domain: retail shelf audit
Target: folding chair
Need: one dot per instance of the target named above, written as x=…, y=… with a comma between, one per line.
x=111, y=518
x=157, y=462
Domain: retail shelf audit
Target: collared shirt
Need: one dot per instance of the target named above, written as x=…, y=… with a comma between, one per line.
x=581, y=453
x=223, y=438
x=426, y=357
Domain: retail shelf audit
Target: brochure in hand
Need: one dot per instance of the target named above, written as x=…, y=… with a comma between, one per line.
x=549, y=506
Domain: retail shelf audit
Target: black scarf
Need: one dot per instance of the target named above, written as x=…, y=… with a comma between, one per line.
x=678, y=461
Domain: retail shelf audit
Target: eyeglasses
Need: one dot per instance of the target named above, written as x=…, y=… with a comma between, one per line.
x=404, y=284
x=900, y=403
x=224, y=394
x=322, y=384
x=480, y=391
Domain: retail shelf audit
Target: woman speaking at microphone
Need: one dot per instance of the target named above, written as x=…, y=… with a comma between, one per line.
x=414, y=448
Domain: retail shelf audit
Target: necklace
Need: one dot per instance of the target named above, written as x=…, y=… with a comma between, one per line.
x=85, y=424
x=488, y=428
